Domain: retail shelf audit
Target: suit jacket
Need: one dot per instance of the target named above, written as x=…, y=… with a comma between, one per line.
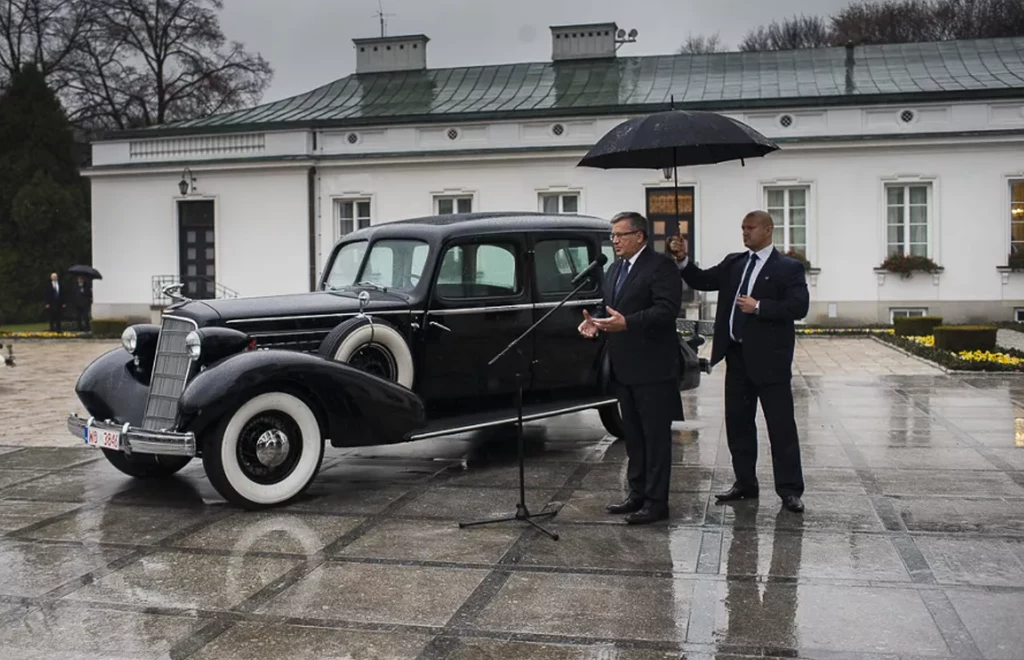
x=769, y=336
x=51, y=297
x=648, y=350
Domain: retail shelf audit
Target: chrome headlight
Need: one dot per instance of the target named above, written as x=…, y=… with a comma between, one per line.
x=130, y=340
x=193, y=344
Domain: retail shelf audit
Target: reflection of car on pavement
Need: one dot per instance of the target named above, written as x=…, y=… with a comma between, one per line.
x=393, y=347
x=9, y=357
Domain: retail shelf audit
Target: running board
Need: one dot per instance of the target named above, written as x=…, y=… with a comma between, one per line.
x=531, y=413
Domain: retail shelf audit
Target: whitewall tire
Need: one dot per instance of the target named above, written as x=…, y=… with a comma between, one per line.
x=265, y=453
x=371, y=345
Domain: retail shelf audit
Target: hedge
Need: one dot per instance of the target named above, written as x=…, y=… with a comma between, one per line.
x=915, y=326
x=951, y=360
x=109, y=327
x=958, y=338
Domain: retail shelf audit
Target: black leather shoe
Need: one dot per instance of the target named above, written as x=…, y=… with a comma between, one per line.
x=736, y=493
x=628, y=506
x=792, y=503
x=648, y=514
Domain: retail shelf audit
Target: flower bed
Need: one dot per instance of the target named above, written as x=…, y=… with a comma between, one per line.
x=40, y=335
x=924, y=346
x=844, y=331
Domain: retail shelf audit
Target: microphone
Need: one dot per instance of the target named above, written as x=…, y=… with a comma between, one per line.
x=594, y=265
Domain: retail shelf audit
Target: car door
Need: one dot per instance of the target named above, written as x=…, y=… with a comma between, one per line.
x=480, y=302
x=564, y=362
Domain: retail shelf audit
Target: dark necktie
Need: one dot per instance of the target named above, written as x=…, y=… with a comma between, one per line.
x=623, y=272
x=740, y=317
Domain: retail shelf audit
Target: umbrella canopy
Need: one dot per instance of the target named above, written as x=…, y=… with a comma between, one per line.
x=86, y=271
x=676, y=138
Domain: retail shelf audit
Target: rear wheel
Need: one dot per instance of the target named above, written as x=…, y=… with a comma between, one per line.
x=145, y=466
x=611, y=417
x=265, y=453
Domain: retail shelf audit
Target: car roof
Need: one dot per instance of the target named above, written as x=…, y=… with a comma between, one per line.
x=468, y=224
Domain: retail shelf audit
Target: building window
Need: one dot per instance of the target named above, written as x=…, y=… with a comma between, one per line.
x=1017, y=217
x=448, y=204
x=559, y=202
x=788, y=208
x=907, y=219
x=906, y=312
x=1018, y=314
x=351, y=214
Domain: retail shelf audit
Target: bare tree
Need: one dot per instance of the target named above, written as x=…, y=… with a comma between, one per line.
x=155, y=61
x=899, y=21
x=701, y=44
x=789, y=34
x=978, y=19
x=48, y=33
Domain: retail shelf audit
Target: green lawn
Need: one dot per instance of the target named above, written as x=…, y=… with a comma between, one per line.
x=26, y=327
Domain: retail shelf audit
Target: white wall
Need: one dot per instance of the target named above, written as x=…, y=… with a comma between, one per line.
x=261, y=222
x=970, y=210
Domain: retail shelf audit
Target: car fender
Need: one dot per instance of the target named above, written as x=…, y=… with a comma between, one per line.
x=354, y=407
x=111, y=388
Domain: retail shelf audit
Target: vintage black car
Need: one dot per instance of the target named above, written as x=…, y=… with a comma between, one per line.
x=393, y=347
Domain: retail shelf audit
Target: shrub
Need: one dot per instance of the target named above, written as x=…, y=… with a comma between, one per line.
x=799, y=256
x=915, y=326
x=109, y=327
x=958, y=338
x=907, y=264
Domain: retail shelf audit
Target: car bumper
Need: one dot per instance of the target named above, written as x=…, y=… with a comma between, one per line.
x=129, y=439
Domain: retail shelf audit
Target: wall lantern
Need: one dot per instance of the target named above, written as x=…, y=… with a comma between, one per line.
x=667, y=172
x=187, y=183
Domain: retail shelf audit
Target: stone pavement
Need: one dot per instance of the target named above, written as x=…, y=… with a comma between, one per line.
x=911, y=547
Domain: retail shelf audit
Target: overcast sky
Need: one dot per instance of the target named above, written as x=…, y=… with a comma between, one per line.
x=309, y=42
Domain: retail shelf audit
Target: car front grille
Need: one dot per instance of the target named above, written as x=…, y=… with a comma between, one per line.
x=171, y=368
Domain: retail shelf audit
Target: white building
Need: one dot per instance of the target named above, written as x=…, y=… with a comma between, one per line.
x=918, y=147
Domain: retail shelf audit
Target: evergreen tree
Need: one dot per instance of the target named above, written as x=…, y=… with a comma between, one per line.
x=43, y=215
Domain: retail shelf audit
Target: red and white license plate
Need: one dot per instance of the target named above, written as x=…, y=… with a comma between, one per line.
x=103, y=438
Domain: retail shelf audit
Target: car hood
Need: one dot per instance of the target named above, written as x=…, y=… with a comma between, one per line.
x=320, y=303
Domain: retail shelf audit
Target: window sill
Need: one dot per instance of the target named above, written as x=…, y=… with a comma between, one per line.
x=1005, y=271
x=881, y=273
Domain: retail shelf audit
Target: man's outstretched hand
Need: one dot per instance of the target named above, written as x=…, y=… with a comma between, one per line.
x=614, y=323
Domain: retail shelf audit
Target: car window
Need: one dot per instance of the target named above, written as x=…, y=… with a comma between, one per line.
x=557, y=262
x=346, y=265
x=395, y=264
x=478, y=271
x=608, y=251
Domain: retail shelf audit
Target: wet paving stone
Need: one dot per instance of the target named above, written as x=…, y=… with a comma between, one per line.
x=910, y=547
x=48, y=632
x=388, y=594
x=185, y=581
x=427, y=540
x=249, y=641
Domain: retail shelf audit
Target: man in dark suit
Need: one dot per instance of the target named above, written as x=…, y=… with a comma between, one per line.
x=760, y=294
x=642, y=295
x=53, y=300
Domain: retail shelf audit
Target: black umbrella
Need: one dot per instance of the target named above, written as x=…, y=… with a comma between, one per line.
x=676, y=138
x=86, y=271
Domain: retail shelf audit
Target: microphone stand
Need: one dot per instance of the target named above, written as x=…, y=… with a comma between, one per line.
x=522, y=513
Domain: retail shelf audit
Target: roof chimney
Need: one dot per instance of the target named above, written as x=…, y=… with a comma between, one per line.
x=405, y=53
x=590, y=41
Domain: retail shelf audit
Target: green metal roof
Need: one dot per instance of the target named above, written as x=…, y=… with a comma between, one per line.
x=989, y=68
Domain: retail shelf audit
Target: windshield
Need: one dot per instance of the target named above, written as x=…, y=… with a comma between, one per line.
x=392, y=264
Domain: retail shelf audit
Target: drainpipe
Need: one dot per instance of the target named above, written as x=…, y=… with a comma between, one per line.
x=849, y=67
x=311, y=196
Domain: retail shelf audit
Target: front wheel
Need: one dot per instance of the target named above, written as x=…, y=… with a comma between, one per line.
x=266, y=453
x=145, y=466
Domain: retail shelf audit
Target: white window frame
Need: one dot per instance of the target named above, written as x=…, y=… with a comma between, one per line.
x=561, y=194
x=1018, y=314
x=932, y=185
x=454, y=196
x=1008, y=206
x=336, y=204
x=912, y=312
x=785, y=219
x=787, y=182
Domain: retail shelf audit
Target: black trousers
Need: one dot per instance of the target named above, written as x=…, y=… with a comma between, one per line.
x=55, y=317
x=741, y=397
x=82, y=316
x=647, y=413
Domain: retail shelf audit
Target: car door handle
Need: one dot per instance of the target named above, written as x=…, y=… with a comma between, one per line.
x=443, y=327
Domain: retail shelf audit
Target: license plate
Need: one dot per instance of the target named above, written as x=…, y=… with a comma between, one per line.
x=103, y=438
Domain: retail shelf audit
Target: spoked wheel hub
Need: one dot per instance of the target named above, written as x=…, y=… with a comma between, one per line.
x=269, y=447
x=375, y=359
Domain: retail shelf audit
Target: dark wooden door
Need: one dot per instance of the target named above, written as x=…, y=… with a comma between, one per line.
x=197, y=266
x=661, y=213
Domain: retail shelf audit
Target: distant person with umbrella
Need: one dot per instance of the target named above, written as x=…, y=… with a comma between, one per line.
x=761, y=293
x=54, y=302
x=82, y=299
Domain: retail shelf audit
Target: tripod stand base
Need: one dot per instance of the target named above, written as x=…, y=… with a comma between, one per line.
x=522, y=513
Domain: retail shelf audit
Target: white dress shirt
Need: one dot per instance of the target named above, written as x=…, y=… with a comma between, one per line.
x=762, y=256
